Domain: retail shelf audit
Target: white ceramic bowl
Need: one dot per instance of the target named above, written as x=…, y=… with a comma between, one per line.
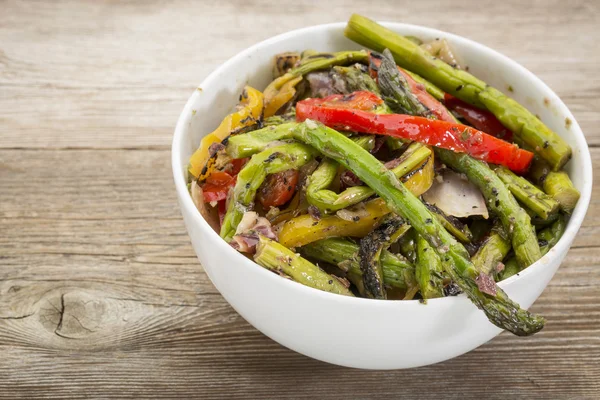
x=354, y=332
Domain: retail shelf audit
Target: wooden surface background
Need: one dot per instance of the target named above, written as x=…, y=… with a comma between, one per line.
x=101, y=294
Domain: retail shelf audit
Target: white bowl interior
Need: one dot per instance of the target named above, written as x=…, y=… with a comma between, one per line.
x=218, y=94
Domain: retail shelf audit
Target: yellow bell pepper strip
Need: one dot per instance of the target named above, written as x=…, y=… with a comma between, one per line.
x=283, y=89
x=250, y=111
x=279, y=92
x=304, y=229
x=420, y=179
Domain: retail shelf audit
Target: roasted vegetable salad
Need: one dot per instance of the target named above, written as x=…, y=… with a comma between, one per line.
x=387, y=173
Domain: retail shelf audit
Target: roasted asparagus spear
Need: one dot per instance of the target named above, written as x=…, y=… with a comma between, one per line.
x=428, y=270
x=555, y=184
x=397, y=271
x=530, y=196
x=276, y=257
x=369, y=254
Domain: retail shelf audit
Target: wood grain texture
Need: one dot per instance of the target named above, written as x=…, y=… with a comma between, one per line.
x=121, y=73
x=101, y=295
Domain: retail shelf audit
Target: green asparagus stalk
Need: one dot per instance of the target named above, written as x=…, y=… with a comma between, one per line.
x=415, y=40
x=242, y=146
x=408, y=246
x=528, y=130
x=394, y=143
x=452, y=225
x=555, y=184
x=559, y=186
x=491, y=253
x=289, y=116
x=395, y=90
x=530, y=196
x=328, y=201
x=245, y=145
x=433, y=90
x=369, y=254
x=538, y=221
x=480, y=228
x=511, y=267
x=548, y=237
x=355, y=79
x=320, y=61
x=397, y=271
x=428, y=269
x=367, y=142
x=500, y=201
x=276, y=257
x=272, y=160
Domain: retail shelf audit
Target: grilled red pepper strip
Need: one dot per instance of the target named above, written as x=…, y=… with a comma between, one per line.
x=216, y=186
x=480, y=119
x=416, y=88
x=361, y=100
x=332, y=112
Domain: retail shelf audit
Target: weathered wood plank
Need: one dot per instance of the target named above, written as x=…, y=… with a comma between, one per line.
x=103, y=339
x=121, y=74
x=59, y=303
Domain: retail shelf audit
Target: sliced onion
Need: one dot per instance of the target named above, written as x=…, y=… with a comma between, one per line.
x=353, y=213
x=249, y=229
x=448, y=55
x=441, y=49
x=245, y=243
x=432, y=47
x=456, y=196
x=249, y=219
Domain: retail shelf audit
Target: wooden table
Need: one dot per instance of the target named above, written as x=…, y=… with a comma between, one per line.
x=101, y=294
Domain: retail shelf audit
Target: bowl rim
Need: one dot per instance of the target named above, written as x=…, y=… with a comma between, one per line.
x=186, y=202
